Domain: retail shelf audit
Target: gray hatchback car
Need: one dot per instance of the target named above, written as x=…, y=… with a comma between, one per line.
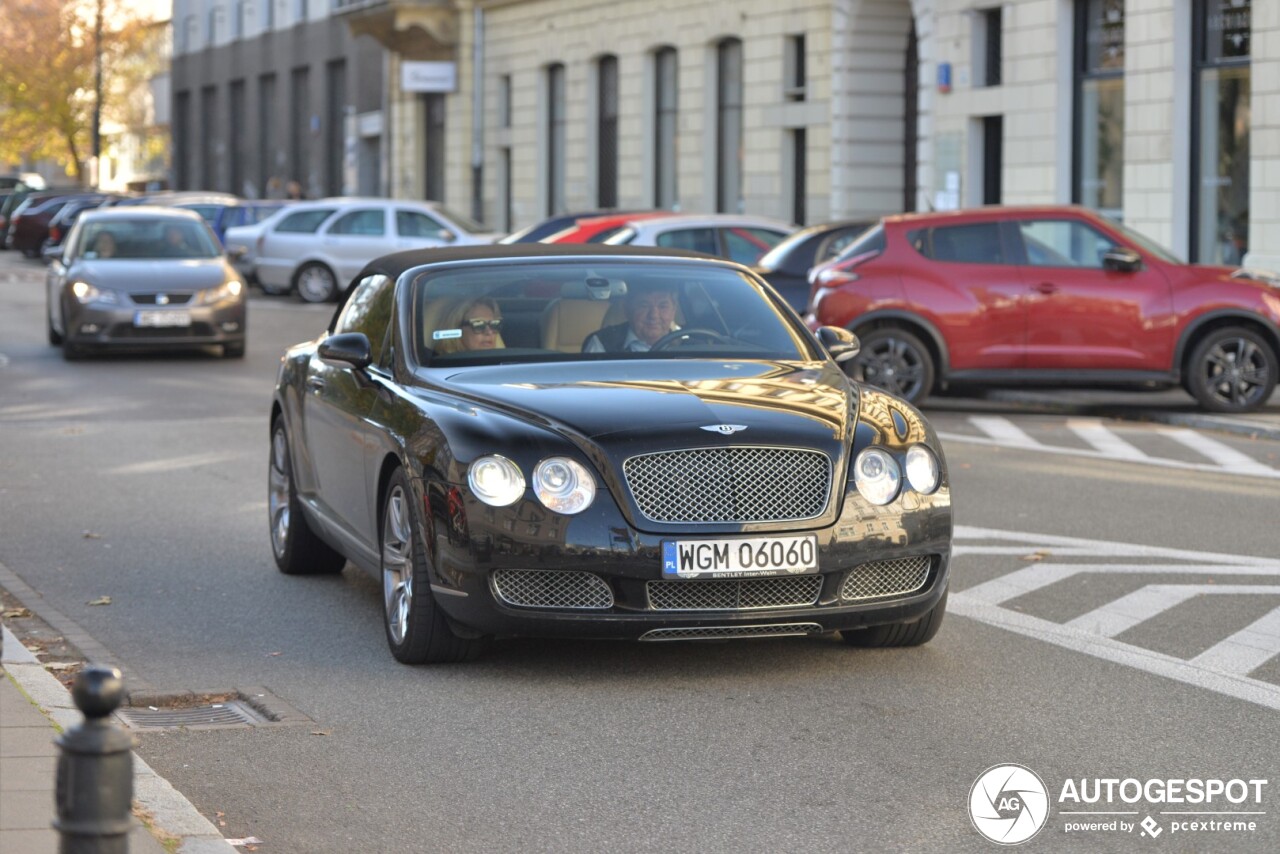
x=144, y=277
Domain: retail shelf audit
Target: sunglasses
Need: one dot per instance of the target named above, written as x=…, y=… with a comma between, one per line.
x=480, y=325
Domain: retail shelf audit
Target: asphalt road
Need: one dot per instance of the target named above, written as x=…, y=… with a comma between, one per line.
x=143, y=478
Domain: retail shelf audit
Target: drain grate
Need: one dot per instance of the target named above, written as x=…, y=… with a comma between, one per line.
x=228, y=713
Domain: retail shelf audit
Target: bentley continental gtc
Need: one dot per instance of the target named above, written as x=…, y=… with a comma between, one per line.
x=602, y=442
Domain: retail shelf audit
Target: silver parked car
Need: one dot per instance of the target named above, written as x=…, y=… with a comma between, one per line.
x=316, y=248
x=738, y=237
x=132, y=277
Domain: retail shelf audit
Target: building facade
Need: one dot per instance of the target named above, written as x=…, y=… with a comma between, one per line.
x=1165, y=113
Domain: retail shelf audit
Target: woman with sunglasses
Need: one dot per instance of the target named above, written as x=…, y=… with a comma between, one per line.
x=480, y=322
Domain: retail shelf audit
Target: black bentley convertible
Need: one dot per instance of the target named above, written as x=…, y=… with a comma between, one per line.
x=496, y=433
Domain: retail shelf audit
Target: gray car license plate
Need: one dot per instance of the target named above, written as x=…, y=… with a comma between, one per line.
x=738, y=558
x=168, y=318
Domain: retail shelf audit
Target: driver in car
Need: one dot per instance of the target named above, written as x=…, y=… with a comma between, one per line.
x=651, y=314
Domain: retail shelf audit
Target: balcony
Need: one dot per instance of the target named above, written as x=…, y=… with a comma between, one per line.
x=415, y=29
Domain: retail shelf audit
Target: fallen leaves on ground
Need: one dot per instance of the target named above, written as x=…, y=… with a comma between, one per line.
x=322, y=732
x=101, y=600
x=15, y=613
x=1039, y=554
x=90, y=535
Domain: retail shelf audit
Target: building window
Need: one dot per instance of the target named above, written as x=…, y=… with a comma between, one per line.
x=555, y=139
x=335, y=127
x=238, y=20
x=988, y=46
x=268, y=14
x=269, y=183
x=182, y=154
x=729, y=126
x=237, y=117
x=796, y=74
x=209, y=134
x=504, y=101
x=433, y=106
x=607, y=132
x=665, y=108
x=1220, y=131
x=300, y=126
x=1099, y=108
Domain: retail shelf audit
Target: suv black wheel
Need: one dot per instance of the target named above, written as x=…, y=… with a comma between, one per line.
x=1232, y=370
x=896, y=361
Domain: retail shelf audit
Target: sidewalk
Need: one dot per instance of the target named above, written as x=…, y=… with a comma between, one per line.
x=28, y=756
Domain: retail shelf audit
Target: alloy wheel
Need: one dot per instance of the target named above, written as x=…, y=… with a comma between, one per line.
x=278, y=488
x=397, y=564
x=316, y=284
x=1236, y=372
x=895, y=365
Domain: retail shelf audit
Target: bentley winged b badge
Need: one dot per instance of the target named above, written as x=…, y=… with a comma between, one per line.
x=724, y=429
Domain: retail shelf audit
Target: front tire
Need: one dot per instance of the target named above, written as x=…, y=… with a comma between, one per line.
x=1232, y=370
x=896, y=361
x=316, y=283
x=900, y=634
x=418, y=632
x=297, y=549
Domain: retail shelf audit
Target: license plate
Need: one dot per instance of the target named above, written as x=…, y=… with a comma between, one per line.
x=162, y=318
x=740, y=558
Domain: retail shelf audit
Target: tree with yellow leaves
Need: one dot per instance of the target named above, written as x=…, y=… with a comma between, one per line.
x=47, y=75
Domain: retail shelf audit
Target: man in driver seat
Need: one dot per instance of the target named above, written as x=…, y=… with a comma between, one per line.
x=651, y=314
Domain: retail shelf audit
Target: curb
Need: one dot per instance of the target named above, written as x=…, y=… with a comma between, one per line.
x=170, y=811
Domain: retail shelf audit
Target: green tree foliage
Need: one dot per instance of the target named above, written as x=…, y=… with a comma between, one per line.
x=47, y=52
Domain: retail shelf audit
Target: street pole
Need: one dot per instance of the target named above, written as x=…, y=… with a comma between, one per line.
x=97, y=98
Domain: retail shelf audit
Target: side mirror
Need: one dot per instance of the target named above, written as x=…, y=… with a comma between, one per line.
x=351, y=348
x=48, y=253
x=446, y=235
x=235, y=253
x=842, y=344
x=1121, y=259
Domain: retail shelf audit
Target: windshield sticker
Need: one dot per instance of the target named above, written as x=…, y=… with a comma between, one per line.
x=443, y=334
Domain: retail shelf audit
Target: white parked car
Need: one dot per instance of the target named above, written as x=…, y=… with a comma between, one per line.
x=737, y=237
x=317, y=247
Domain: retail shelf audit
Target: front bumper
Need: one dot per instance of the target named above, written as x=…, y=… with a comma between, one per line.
x=468, y=557
x=115, y=326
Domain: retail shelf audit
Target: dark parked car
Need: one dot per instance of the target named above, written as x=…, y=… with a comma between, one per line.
x=28, y=223
x=60, y=223
x=142, y=277
x=730, y=481
x=786, y=266
x=552, y=225
x=1047, y=296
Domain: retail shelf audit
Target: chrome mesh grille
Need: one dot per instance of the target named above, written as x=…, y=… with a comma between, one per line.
x=886, y=578
x=537, y=588
x=730, y=484
x=735, y=594
x=780, y=630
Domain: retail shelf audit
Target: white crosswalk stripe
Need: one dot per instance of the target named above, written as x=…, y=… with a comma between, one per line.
x=1223, y=667
x=1105, y=443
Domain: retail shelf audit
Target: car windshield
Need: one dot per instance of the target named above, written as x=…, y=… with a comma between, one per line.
x=597, y=310
x=123, y=239
x=464, y=222
x=1146, y=243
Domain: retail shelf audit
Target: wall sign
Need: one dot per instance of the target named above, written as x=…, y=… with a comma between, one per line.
x=429, y=76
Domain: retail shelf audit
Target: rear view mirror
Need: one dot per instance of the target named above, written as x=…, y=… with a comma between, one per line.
x=842, y=344
x=349, y=347
x=1121, y=259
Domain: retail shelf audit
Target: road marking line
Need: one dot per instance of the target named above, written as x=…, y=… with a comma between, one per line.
x=1246, y=650
x=1230, y=684
x=1108, y=548
x=1224, y=455
x=1003, y=430
x=1104, y=440
x=1032, y=578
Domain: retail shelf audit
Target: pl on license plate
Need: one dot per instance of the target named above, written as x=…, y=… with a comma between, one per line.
x=162, y=318
x=740, y=558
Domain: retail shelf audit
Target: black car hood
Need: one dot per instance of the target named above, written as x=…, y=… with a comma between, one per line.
x=668, y=402
x=152, y=274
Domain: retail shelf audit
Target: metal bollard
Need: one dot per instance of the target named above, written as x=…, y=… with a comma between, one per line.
x=94, y=792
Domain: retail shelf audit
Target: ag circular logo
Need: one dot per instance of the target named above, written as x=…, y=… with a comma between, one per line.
x=1008, y=804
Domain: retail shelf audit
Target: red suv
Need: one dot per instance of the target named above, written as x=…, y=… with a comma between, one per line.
x=1047, y=295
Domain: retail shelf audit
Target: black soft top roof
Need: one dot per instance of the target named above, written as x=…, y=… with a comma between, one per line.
x=395, y=264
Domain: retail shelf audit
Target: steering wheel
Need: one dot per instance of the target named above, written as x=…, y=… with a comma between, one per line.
x=685, y=334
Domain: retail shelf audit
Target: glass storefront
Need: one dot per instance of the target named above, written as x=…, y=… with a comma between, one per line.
x=1099, y=171
x=1220, y=230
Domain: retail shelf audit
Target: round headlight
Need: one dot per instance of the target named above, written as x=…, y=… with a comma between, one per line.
x=922, y=469
x=496, y=480
x=564, y=485
x=877, y=476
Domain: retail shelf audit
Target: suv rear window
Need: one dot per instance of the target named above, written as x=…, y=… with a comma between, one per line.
x=304, y=222
x=974, y=243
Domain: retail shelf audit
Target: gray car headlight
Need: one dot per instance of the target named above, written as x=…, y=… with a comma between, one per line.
x=227, y=290
x=877, y=476
x=922, y=469
x=86, y=293
x=564, y=485
x=496, y=480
